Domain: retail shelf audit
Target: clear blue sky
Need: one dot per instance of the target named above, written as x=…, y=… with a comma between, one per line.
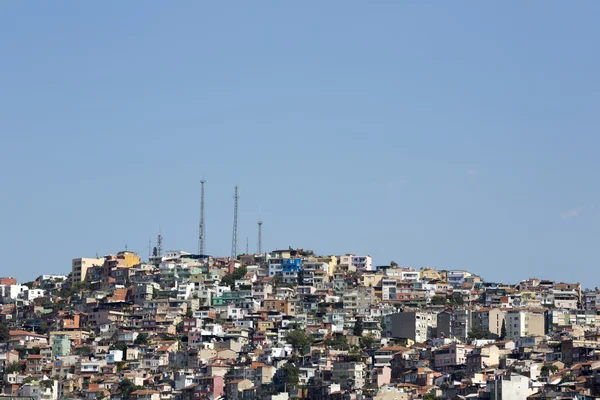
x=453, y=135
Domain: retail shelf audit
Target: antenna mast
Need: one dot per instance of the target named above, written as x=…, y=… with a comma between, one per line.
x=201, y=235
x=259, y=250
x=234, y=239
x=159, y=244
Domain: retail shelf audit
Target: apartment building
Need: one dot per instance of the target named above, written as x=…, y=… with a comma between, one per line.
x=80, y=266
x=489, y=319
x=520, y=323
x=415, y=326
x=351, y=261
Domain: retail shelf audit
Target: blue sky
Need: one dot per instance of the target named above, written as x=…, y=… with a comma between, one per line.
x=452, y=135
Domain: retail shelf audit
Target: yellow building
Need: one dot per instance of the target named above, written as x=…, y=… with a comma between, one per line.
x=80, y=266
x=432, y=274
x=128, y=259
x=371, y=279
x=331, y=261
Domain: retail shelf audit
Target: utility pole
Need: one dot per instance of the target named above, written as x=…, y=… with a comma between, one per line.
x=234, y=239
x=201, y=234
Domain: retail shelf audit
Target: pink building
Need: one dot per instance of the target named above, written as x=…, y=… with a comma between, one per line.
x=209, y=387
x=448, y=357
x=383, y=376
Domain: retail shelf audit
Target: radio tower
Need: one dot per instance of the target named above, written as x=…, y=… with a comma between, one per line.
x=234, y=240
x=159, y=243
x=259, y=235
x=201, y=234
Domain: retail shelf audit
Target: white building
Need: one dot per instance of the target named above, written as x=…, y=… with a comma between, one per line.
x=410, y=275
x=359, y=262
x=114, y=356
x=520, y=323
x=457, y=277
x=512, y=387
x=184, y=291
x=12, y=291
x=34, y=294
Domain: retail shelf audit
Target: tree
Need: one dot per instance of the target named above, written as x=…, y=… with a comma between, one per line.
x=456, y=299
x=4, y=333
x=84, y=351
x=548, y=370
x=13, y=367
x=126, y=387
x=291, y=374
x=301, y=277
x=438, y=300
x=338, y=342
x=47, y=383
x=230, y=279
x=43, y=328
x=367, y=341
x=358, y=327
x=477, y=333
x=141, y=339
x=503, y=330
x=119, y=346
x=299, y=340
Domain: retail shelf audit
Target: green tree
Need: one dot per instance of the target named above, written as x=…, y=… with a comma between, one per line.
x=83, y=351
x=438, y=300
x=119, y=346
x=47, y=383
x=301, y=277
x=548, y=370
x=358, y=327
x=503, y=330
x=43, y=328
x=141, y=339
x=126, y=387
x=277, y=281
x=367, y=341
x=291, y=374
x=477, y=333
x=14, y=367
x=338, y=342
x=4, y=333
x=299, y=340
x=230, y=279
x=456, y=299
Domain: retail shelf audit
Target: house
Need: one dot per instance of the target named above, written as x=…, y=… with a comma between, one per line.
x=33, y=364
x=234, y=390
x=209, y=387
x=145, y=394
x=449, y=357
